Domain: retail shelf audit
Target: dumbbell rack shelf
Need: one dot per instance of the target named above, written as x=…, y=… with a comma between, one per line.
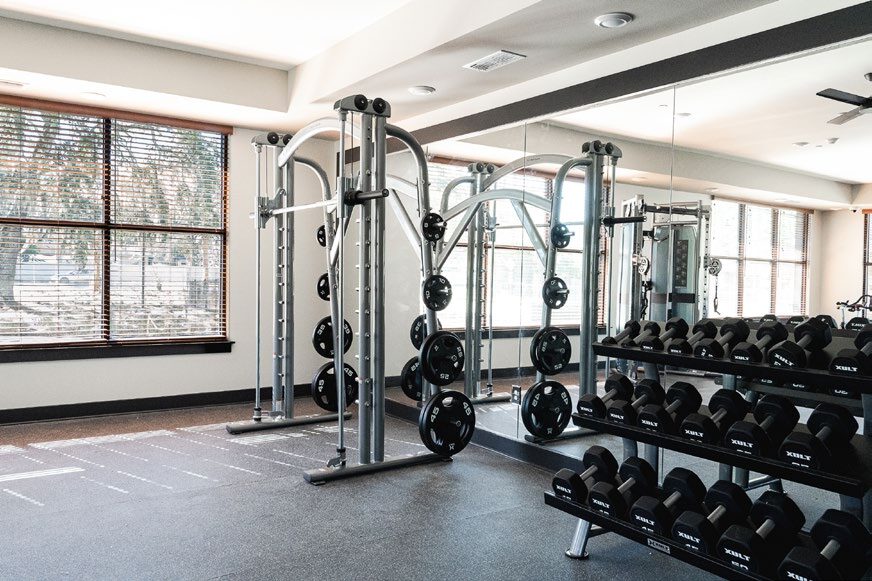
x=662, y=544
x=811, y=377
x=854, y=484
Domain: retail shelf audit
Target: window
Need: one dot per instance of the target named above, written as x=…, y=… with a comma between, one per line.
x=763, y=251
x=110, y=230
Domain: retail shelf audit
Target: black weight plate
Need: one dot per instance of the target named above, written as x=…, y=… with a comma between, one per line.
x=436, y=291
x=560, y=236
x=555, y=292
x=321, y=235
x=416, y=332
x=410, y=379
x=550, y=350
x=447, y=422
x=324, y=387
x=323, y=287
x=322, y=337
x=432, y=227
x=442, y=358
x=546, y=409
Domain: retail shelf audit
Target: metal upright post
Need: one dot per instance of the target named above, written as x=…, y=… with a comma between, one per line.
x=258, y=203
x=338, y=290
x=591, y=233
x=288, y=311
x=478, y=259
x=364, y=297
x=378, y=291
x=279, y=283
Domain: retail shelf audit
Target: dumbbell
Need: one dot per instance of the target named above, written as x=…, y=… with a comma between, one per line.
x=733, y=331
x=729, y=504
x=776, y=416
x=768, y=318
x=626, y=412
x=726, y=406
x=631, y=329
x=599, y=465
x=827, y=320
x=769, y=333
x=796, y=320
x=686, y=492
x=811, y=335
x=843, y=542
x=855, y=361
x=618, y=386
x=703, y=329
x=649, y=329
x=830, y=429
x=777, y=519
x=676, y=327
x=638, y=478
x=681, y=399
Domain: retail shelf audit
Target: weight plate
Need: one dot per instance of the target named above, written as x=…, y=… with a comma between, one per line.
x=560, y=236
x=546, y=409
x=324, y=387
x=410, y=379
x=442, y=358
x=416, y=333
x=321, y=235
x=437, y=292
x=323, y=287
x=550, y=350
x=322, y=337
x=432, y=227
x=555, y=292
x=447, y=422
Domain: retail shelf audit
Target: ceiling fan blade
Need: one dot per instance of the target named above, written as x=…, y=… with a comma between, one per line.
x=845, y=117
x=842, y=97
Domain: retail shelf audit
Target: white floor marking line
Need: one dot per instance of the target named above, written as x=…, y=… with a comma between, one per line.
x=77, y=459
x=205, y=427
x=405, y=442
x=165, y=449
x=114, y=451
x=259, y=439
x=103, y=484
x=275, y=461
x=199, y=443
x=9, y=449
x=22, y=497
x=231, y=466
x=207, y=435
x=29, y=458
x=194, y=474
x=319, y=460
x=140, y=478
x=40, y=473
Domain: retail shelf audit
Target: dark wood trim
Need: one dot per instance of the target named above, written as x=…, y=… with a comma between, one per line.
x=31, y=353
x=75, y=109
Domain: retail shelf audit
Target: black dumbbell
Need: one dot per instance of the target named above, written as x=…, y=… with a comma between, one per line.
x=827, y=320
x=626, y=412
x=769, y=333
x=704, y=329
x=681, y=400
x=685, y=492
x=733, y=331
x=649, y=329
x=796, y=320
x=855, y=361
x=777, y=519
x=726, y=407
x=676, y=328
x=631, y=329
x=638, y=478
x=618, y=386
x=856, y=323
x=599, y=465
x=831, y=428
x=843, y=542
x=728, y=504
x=776, y=416
x=811, y=335
x=768, y=318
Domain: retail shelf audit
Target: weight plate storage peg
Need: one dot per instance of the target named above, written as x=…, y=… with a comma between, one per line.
x=324, y=387
x=447, y=422
x=321, y=235
x=432, y=227
x=323, y=287
x=437, y=292
x=442, y=358
x=555, y=292
x=416, y=332
x=550, y=350
x=560, y=236
x=546, y=409
x=322, y=337
x=410, y=379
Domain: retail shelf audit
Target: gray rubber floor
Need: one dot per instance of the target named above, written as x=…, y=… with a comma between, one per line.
x=197, y=503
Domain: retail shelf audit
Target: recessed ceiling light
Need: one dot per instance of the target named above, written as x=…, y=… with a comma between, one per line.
x=422, y=90
x=711, y=189
x=8, y=83
x=683, y=114
x=832, y=140
x=613, y=20
x=800, y=143
x=638, y=179
x=93, y=95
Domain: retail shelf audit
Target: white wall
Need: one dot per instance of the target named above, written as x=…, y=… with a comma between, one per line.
x=66, y=382
x=841, y=250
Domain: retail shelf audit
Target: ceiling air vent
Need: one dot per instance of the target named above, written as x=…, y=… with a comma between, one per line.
x=493, y=61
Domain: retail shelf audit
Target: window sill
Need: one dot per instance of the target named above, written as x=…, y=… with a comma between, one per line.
x=22, y=354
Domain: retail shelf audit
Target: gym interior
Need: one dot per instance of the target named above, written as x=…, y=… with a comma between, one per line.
x=603, y=274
